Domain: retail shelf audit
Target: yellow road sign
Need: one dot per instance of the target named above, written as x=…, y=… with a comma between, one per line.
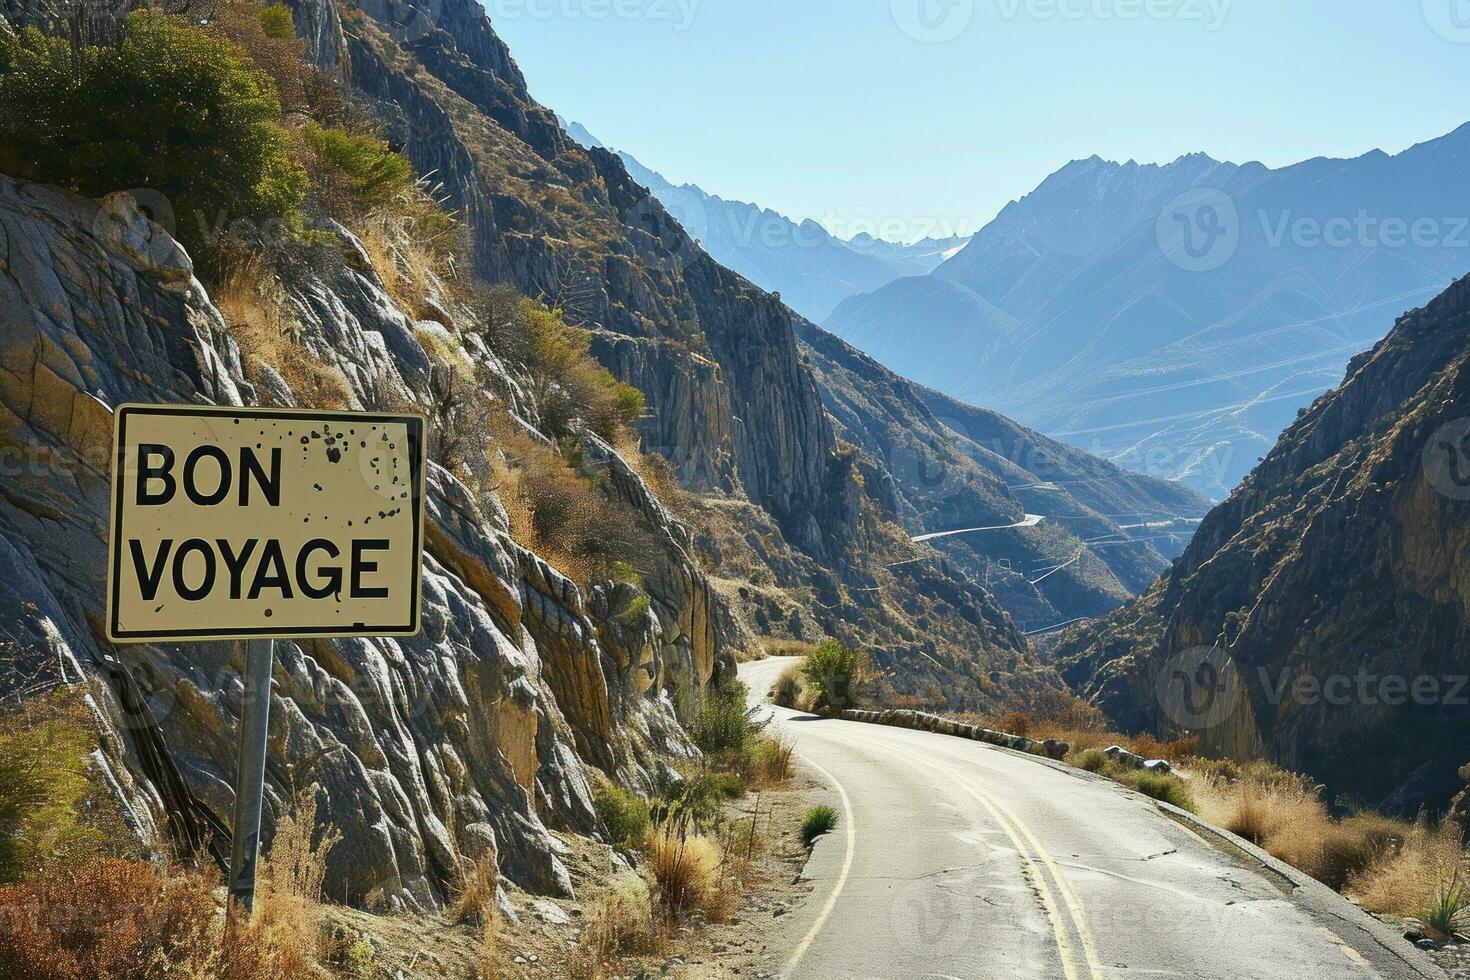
x=231, y=523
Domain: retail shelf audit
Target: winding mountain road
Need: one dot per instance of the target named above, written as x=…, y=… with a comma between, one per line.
x=957, y=860
x=1030, y=520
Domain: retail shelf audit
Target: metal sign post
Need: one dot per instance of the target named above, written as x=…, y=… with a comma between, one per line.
x=250, y=779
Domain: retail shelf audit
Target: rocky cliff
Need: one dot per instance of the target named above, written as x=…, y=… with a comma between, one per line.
x=1321, y=615
x=429, y=753
x=733, y=404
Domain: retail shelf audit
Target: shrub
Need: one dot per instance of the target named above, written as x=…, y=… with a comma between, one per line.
x=50, y=812
x=691, y=802
x=1447, y=911
x=565, y=516
x=724, y=728
x=835, y=674
x=1093, y=760
x=686, y=870
x=819, y=820
x=1014, y=723
x=789, y=692
x=1166, y=787
x=773, y=760
x=568, y=385
x=355, y=171
x=624, y=813
x=106, y=918
x=275, y=22
x=92, y=118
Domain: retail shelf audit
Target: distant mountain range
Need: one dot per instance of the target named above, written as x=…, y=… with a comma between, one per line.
x=1175, y=318
x=810, y=268
x=1319, y=618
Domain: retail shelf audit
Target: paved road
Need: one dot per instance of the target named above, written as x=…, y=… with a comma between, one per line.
x=960, y=861
x=1031, y=520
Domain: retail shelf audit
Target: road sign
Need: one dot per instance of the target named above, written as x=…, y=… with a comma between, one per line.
x=233, y=523
x=249, y=523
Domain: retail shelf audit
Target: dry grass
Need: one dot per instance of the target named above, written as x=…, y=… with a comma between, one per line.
x=690, y=874
x=622, y=923
x=254, y=307
x=475, y=901
x=772, y=761
x=1415, y=876
x=285, y=935
x=108, y=919
x=409, y=267
x=1390, y=865
x=559, y=510
x=790, y=689
x=490, y=945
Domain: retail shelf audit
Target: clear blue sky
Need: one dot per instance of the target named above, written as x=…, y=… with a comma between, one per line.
x=829, y=109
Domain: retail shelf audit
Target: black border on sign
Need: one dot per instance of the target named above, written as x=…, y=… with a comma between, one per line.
x=415, y=425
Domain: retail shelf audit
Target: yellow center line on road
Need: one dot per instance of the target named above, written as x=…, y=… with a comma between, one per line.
x=1034, y=870
x=1074, y=904
x=831, y=903
x=1015, y=828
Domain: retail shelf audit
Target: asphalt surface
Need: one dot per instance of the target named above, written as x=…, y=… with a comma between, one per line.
x=1031, y=520
x=957, y=859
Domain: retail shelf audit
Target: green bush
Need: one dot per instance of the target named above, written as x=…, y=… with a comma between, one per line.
x=47, y=819
x=1448, y=912
x=819, y=820
x=623, y=813
x=172, y=108
x=358, y=169
x=1093, y=760
x=724, y=729
x=835, y=673
x=275, y=20
x=691, y=802
x=1165, y=787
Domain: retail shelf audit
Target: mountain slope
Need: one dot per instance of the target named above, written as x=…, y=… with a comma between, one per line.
x=790, y=523
x=953, y=467
x=1186, y=367
x=1328, y=594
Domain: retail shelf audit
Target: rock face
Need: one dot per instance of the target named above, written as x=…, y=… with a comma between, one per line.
x=733, y=404
x=1321, y=615
x=428, y=753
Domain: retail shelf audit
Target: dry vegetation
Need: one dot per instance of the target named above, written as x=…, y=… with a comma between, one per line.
x=78, y=905
x=1389, y=865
